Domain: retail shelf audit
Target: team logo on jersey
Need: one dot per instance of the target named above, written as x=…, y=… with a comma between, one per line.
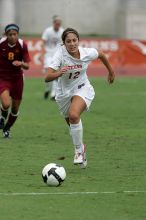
x=74, y=67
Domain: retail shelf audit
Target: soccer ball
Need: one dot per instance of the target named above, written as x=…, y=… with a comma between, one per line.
x=53, y=174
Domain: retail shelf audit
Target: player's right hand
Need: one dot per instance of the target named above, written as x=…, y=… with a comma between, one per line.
x=17, y=63
x=111, y=77
x=63, y=70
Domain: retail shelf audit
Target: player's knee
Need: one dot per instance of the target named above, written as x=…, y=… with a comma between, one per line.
x=74, y=117
x=6, y=104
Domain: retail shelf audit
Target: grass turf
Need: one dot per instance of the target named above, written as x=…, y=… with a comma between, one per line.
x=115, y=133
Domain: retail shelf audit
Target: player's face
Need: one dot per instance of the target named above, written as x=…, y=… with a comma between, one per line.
x=57, y=24
x=71, y=43
x=12, y=36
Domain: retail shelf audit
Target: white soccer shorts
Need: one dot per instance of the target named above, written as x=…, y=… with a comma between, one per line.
x=86, y=92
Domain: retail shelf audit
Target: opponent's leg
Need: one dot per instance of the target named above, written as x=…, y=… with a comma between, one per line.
x=12, y=117
x=5, y=104
x=77, y=106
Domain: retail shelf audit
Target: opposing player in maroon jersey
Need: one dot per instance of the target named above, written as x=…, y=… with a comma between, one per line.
x=14, y=57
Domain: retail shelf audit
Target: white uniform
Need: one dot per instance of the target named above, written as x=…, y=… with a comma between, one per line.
x=75, y=80
x=52, y=42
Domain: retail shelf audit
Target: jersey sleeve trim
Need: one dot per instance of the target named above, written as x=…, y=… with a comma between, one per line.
x=2, y=39
x=21, y=42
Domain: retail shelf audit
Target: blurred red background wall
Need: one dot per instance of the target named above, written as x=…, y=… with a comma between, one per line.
x=128, y=57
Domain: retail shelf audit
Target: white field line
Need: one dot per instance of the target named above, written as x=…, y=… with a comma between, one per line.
x=69, y=193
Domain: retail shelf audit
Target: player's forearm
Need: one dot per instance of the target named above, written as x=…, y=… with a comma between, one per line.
x=104, y=60
x=21, y=64
x=25, y=65
x=52, y=76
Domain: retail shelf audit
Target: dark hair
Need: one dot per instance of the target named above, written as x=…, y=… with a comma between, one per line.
x=10, y=27
x=67, y=31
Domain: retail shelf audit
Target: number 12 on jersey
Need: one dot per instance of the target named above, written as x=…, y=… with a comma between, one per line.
x=74, y=75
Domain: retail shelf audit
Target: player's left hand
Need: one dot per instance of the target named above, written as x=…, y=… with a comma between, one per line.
x=17, y=63
x=111, y=77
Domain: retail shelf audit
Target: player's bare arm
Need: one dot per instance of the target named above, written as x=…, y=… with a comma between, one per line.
x=22, y=64
x=111, y=75
x=53, y=74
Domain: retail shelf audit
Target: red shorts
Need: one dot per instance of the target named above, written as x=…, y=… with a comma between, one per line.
x=15, y=87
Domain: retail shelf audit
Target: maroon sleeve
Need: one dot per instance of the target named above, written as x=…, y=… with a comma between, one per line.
x=26, y=57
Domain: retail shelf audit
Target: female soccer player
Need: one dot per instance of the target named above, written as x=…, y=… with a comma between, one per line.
x=51, y=40
x=13, y=58
x=74, y=92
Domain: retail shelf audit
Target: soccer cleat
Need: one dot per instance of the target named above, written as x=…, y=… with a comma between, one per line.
x=6, y=133
x=2, y=122
x=52, y=98
x=46, y=94
x=84, y=164
x=78, y=158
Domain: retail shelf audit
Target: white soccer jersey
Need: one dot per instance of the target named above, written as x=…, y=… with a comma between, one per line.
x=76, y=75
x=52, y=39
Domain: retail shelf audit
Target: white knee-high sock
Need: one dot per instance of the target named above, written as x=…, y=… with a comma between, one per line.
x=76, y=131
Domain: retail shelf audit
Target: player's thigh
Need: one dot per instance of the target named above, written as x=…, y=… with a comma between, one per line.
x=77, y=106
x=5, y=98
x=87, y=93
x=17, y=89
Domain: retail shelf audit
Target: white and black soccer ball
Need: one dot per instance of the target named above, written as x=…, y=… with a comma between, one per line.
x=53, y=174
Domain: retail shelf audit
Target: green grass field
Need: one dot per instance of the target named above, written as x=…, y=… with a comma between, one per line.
x=115, y=133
